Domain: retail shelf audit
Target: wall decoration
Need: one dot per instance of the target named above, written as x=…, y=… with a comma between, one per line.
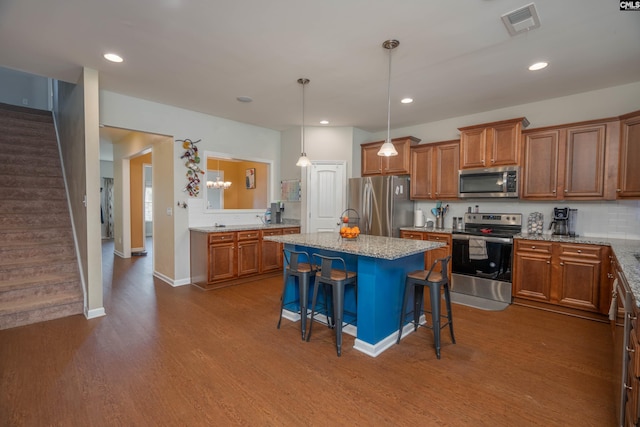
x=251, y=178
x=192, y=159
x=290, y=190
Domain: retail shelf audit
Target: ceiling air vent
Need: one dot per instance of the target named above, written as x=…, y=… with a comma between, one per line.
x=521, y=20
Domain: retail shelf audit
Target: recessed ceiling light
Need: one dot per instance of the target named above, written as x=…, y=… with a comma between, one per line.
x=406, y=100
x=324, y=122
x=113, y=57
x=244, y=99
x=538, y=66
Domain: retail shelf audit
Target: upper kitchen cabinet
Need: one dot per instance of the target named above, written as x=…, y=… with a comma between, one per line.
x=571, y=162
x=434, y=170
x=491, y=144
x=372, y=164
x=629, y=170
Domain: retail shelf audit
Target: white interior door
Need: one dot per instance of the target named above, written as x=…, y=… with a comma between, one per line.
x=326, y=194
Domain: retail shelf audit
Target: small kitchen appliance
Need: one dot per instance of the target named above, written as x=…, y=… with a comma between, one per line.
x=563, y=222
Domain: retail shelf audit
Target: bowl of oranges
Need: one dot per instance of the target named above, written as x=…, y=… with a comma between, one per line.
x=349, y=224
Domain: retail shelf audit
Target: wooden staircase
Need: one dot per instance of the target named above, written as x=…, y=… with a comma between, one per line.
x=39, y=276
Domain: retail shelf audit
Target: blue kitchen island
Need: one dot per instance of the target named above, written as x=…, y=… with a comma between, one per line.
x=382, y=264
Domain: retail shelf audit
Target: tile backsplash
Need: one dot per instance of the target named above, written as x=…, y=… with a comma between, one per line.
x=614, y=219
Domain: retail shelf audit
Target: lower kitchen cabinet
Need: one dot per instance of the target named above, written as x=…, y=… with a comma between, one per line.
x=248, y=252
x=567, y=276
x=225, y=258
x=222, y=256
x=271, y=258
x=432, y=255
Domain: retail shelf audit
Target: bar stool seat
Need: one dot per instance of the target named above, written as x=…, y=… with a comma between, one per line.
x=338, y=279
x=436, y=281
x=304, y=273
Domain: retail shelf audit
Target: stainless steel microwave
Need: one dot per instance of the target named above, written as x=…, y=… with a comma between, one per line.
x=489, y=182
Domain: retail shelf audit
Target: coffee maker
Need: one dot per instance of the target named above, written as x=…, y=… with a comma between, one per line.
x=564, y=221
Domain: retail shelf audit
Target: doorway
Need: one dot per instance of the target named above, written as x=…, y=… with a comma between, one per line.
x=326, y=194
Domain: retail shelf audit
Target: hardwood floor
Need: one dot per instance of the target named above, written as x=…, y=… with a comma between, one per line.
x=168, y=356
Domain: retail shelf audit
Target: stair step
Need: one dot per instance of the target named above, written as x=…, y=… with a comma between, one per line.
x=30, y=182
x=36, y=235
x=42, y=206
x=47, y=149
x=40, y=312
x=42, y=171
x=12, y=221
x=19, y=252
x=18, y=139
x=49, y=284
x=36, y=268
x=9, y=110
x=30, y=160
x=24, y=194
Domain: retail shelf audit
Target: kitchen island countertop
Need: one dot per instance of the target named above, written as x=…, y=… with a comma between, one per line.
x=388, y=248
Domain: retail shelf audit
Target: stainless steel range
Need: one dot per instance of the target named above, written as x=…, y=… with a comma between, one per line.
x=482, y=255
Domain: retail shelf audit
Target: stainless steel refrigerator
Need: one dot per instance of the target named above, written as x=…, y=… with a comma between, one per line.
x=383, y=204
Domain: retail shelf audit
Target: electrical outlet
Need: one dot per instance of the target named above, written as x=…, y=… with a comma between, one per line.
x=169, y=211
x=25, y=101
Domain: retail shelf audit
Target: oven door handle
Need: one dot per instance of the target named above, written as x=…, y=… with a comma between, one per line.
x=485, y=238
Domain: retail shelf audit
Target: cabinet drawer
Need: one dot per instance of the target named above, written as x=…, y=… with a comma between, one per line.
x=435, y=237
x=276, y=232
x=539, y=247
x=581, y=250
x=294, y=230
x=221, y=237
x=414, y=235
x=248, y=235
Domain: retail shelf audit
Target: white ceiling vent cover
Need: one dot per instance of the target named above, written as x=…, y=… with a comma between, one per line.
x=521, y=20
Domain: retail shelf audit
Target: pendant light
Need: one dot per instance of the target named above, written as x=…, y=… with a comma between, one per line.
x=388, y=148
x=219, y=183
x=303, y=160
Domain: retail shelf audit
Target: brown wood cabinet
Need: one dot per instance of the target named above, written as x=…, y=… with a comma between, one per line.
x=628, y=169
x=434, y=170
x=566, y=275
x=227, y=258
x=570, y=162
x=434, y=254
x=271, y=258
x=222, y=256
x=491, y=144
x=248, y=252
x=372, y=164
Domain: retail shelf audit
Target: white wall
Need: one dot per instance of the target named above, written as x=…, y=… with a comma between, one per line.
x=106, y=169
x=216, y=134
x=28, y=90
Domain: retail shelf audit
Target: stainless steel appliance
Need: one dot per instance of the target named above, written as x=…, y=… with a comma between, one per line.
x=564, y=221
x=383, y=204
x=488, y=182
x=482, y=255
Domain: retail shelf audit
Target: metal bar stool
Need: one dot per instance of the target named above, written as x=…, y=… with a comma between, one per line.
x=303, y=272
x=416, y=281
x=337, y=278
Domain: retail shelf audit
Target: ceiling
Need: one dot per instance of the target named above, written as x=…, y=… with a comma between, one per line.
x=454, y=58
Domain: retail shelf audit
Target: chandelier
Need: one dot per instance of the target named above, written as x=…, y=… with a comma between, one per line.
x=219, y=183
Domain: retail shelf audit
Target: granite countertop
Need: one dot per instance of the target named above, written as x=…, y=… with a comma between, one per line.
x=388, y=248
x=625, y=251
x=227, y=228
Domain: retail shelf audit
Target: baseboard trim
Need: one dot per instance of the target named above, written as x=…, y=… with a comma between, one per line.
x=94, y=312
x=170, y=281
x=374, y=350
x=118, y=253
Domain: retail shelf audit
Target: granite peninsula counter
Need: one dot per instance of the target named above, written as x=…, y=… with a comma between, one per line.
x=381, y=264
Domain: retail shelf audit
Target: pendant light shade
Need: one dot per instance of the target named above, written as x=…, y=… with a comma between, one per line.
x=303, y=160
x=388, y=148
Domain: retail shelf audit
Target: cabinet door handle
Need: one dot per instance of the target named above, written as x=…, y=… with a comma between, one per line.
x=562, y=263
x=566, y=191
x=627, y=387
x=554, y=191
x=493, y=160
x=579, y=251
x=548, y=262
x=619, y=190
x=631, y=317
x=630, y=350
x=533, y=247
